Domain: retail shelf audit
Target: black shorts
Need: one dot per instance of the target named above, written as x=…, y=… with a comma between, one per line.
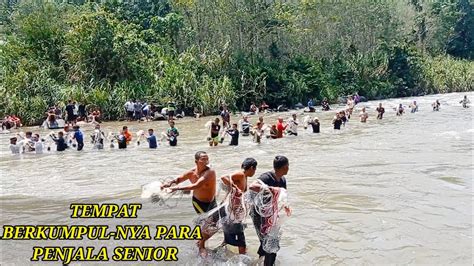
x=174, y=142
x=71, y=118
x=130, y=114
x=234, y=235
x=170, y=113
x=203, y=207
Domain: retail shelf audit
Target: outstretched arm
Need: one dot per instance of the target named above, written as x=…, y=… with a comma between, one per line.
x=178, y=180
x=199, y=183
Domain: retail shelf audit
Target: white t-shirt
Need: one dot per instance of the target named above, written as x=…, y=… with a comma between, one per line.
x=39, y=147
x=15, y=148
x=293, y=125
x=129, y=106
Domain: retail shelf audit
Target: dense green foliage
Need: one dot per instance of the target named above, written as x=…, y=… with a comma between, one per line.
x=201, y=53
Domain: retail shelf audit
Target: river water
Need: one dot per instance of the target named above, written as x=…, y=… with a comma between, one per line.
x=397, y=190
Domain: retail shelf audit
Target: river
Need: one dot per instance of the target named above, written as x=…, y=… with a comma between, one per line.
x=391, y=191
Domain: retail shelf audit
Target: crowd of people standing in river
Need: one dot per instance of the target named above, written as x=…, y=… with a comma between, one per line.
x=72, y=135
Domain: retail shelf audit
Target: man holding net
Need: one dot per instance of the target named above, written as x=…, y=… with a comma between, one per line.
x=265, y=210
x=203, y=185
x=234, y=229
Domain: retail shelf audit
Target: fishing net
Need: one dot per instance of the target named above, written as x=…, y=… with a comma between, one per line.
x=162, y=197
x=267, y=205
x=233, y=209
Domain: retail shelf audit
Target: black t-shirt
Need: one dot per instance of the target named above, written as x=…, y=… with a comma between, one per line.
x=315, y=127
x=61, y=144
x=337, y=124
x=269, y=179
x=82, y=109
x=235, y=137
x=215, y=130
x=70, y=109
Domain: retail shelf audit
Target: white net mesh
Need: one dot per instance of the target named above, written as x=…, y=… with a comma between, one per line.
x=267, y=205
x=162, y=197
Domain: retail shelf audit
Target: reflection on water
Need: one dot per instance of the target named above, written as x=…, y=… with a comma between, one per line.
x=392, y=191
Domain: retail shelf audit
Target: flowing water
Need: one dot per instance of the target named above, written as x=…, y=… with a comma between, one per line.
x=397, y=190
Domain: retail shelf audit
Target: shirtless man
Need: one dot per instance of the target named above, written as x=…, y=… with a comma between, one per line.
x=350, y=106
x=203, y=185
x=363, y=115
x=234, y=233
x=414, y=107
x=257, y=133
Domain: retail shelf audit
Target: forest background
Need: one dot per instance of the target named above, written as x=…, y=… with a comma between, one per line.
x=201, y=53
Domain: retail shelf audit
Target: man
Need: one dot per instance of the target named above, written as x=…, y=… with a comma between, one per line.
x=225, y=114
x=137, y=111
x=234, y=133
x=98, y=138
x=245, y=126
x=253, y=108
x=325, y=104
x=171, y=109
x=38, y=144
x=414, y=107
x=127, y=134
x=151, y=139
x=342, y=114
x=273, y=132
x=14, y=147
x=363, y=115
x=311, y=105
x=82, y=113
x=172, y=134
x=400, y=110
x=275, y=180
x=71, y=118
x=203, y=185
x=130, y=109
x=280, y=127
x=350, y=106
x=380, y=111
x=436, y=105
x=215, y=129
x=60, y=141
x=337, y=122
x=79, y=137
x=465, y=101
x=234, y=233
x=122, y=138
x=257, y=133
x=315, y=125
